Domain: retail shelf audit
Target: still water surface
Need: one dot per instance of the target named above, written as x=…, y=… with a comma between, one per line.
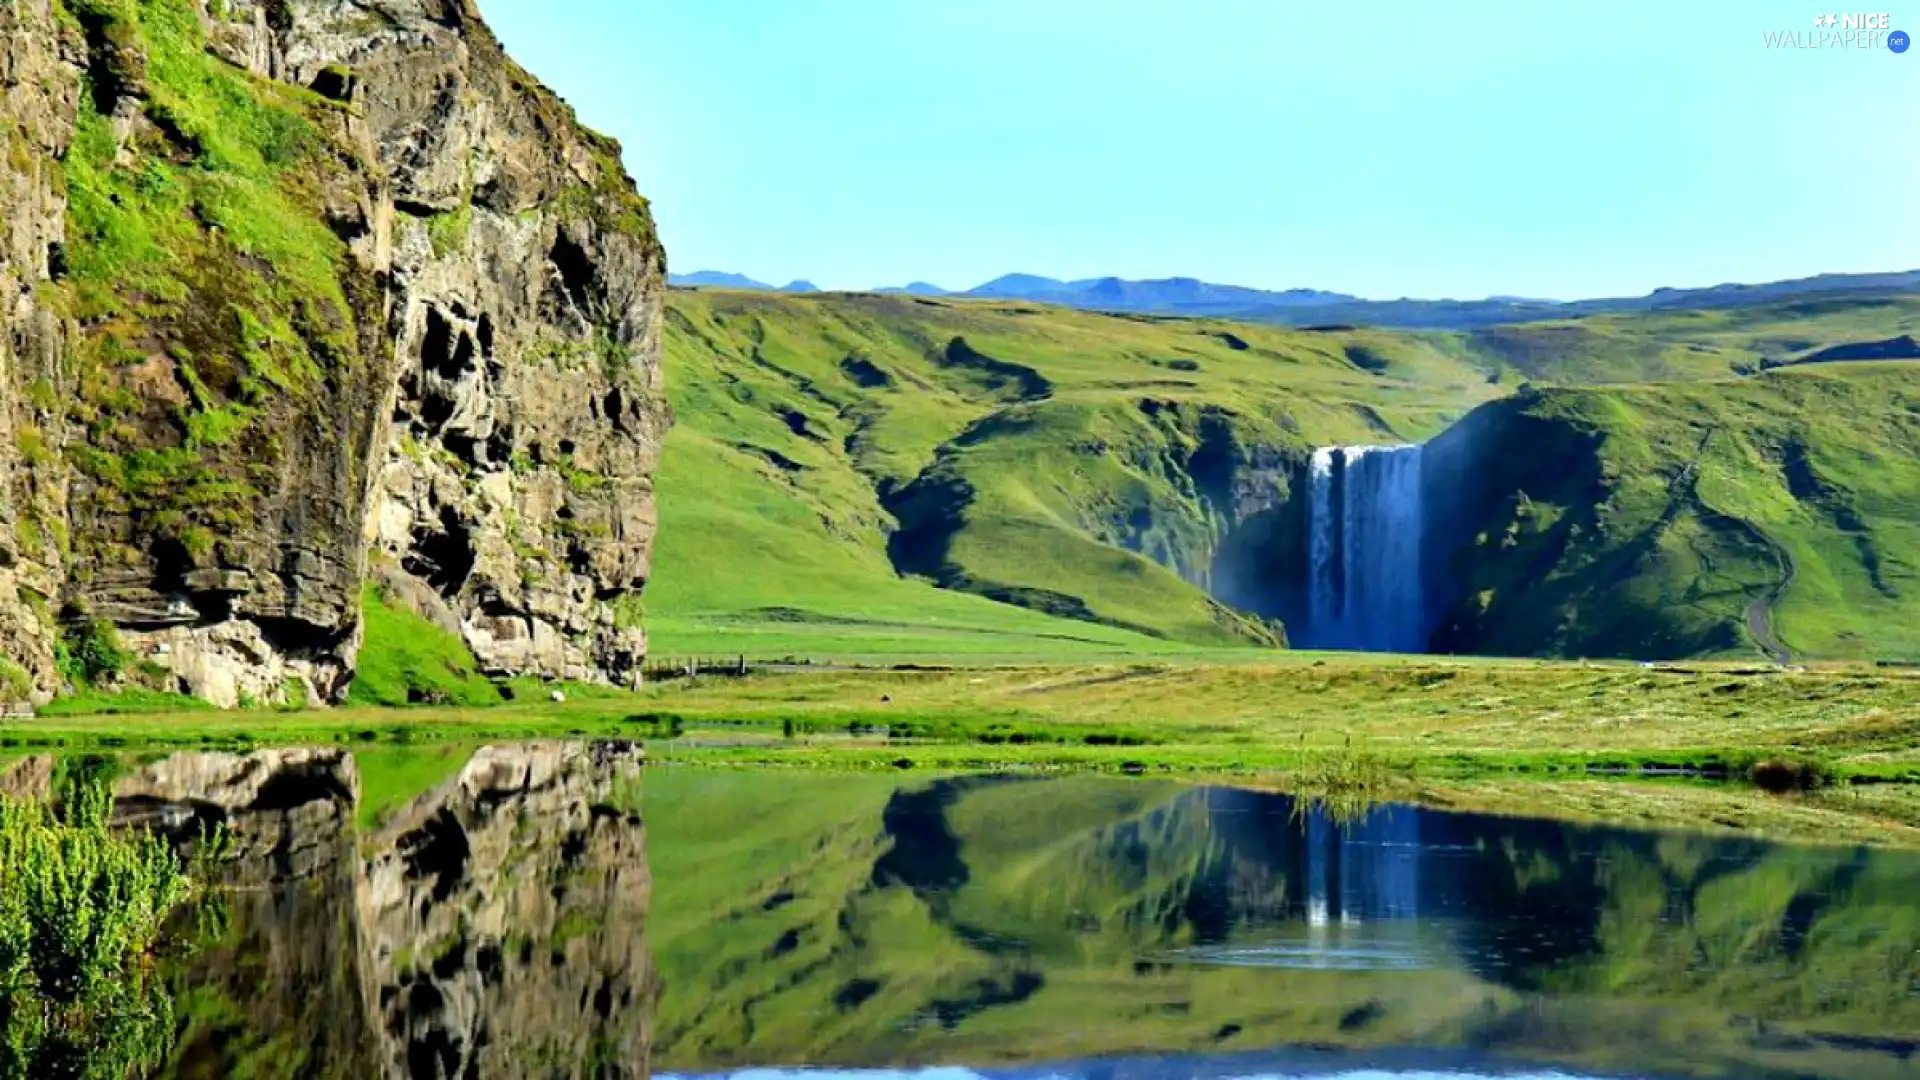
x=557, y=910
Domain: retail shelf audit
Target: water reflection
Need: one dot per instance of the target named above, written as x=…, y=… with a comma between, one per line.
x=995, y=921
x=492, y=927
x=1233, y=1067
x=505, y=912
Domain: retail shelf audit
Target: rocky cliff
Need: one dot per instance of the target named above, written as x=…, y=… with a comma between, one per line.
x=303, y=295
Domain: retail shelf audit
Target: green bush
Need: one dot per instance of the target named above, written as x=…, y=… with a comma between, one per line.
x=81, y=909
x=90, y=652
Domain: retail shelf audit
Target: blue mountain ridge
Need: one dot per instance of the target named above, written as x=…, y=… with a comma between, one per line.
x=1186, y=296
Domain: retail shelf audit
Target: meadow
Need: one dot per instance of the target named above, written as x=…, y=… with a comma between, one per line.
x=1471, y=732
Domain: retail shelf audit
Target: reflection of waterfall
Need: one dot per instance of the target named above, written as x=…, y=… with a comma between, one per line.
x=1362, y=871
x=1366, y=532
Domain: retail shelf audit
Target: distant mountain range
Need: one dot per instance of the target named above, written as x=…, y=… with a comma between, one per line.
x=1191, y=297
x=720, y=279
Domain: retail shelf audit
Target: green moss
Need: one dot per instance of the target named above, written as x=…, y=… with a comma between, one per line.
x=28, y=534
x=15, y=684
x=629, y=611
x=19, y=152
x=31, y=445
x=42, y=394
x=610, y=201
x=580, y=481
x=406, y=660
x=564, y=353
x=205, y=234
x=217, y=427
x=448, y=232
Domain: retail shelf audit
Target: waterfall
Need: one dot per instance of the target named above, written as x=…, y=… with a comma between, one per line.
x=1366, y=532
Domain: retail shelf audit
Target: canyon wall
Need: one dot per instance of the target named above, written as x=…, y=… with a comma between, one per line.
x=307, y=298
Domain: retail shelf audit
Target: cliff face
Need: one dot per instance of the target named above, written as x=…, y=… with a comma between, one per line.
x=308, y=293
x=39, y=93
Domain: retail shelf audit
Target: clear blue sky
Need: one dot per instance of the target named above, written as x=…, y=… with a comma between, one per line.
x=1559, y=148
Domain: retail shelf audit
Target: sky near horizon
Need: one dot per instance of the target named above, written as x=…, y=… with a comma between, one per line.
x=1552, y=148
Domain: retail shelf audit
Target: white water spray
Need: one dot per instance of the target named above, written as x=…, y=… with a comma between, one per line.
x=1366, y=539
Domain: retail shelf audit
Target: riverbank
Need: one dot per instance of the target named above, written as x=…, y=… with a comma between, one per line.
x=1693, y=745
x=1440, y=717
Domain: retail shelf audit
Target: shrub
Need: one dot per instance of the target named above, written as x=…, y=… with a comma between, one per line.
x=1344, y=784
x=81, y=909
x=1779, y=777
x=90, y=652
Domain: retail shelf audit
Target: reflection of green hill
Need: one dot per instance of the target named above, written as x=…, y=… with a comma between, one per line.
x=995, y=921
x=829, y=938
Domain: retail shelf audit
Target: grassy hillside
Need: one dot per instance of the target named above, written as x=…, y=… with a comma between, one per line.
x=1689, y=345
x=1780, y=512
x=899, y=476
x=839, y=456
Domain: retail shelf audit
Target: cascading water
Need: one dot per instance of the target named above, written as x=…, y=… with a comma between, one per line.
x=1366, y=540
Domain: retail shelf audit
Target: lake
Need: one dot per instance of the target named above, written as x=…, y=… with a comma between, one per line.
x=559, y=909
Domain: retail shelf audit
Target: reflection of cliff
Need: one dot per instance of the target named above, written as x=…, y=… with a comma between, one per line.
x=493, y=929
x=272, y=988
x=505, y=913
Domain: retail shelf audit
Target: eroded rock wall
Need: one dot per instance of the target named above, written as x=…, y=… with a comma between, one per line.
x=504, y=917
x=525, y=311
x=273, y=952
x=39, y=91
x=453, y=386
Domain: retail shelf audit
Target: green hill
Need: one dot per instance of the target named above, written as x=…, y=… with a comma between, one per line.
x=1780, y=512
x=901, y=476
x=1688, y=345
x=838, y=456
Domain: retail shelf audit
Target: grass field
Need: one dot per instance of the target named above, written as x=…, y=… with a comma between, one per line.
x=1408, y=718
